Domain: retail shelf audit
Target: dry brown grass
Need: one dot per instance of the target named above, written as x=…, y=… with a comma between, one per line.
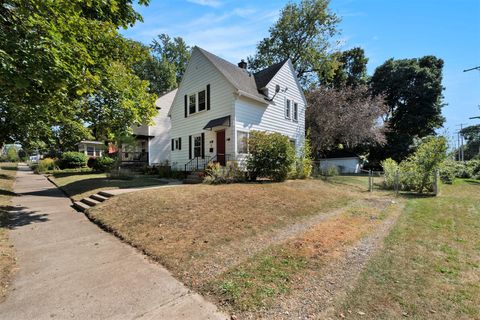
x=7, y=257
x=184, y=225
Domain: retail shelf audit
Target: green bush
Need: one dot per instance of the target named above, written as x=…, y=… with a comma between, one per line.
x=449, y=170
x=12, y=154
x=46, y=164
x=417, y=171
x=472, y=169
x=390, y=170
x=72, y=160
x=102, y=164
x=304, y=163
x=271, y=156
x=216, y=174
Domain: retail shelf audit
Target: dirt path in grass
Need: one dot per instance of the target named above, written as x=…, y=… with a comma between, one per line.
x=236, y=252
x=317, y=295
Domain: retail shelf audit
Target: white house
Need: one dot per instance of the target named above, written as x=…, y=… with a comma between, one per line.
x=152, y=141
x=91, y=148
x=218, y=103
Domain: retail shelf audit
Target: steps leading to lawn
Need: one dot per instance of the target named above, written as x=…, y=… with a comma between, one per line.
x=87, y=203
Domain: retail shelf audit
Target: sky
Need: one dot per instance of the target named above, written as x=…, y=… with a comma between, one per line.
x=399, y=29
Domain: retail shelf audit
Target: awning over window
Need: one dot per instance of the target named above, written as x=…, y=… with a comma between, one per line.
x=219, y=122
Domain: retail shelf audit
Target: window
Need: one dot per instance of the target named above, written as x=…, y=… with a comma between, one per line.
x=242, y=142
x=197, y=146
x=201, y=101
x=295, y=111
x=192, y=103
x=90, y=151
x=176, y=144
x=287, y=109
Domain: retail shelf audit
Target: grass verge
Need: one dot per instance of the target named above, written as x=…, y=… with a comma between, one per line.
x=7, y=257
x=430, y=266
x=80, y=185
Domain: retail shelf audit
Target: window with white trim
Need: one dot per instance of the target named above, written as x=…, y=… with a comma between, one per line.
x=242, y=142
x=295, y=111
x=288, y=107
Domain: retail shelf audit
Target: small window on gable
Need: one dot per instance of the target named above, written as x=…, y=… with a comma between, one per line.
x=295, y=111
x=192, y=103
x=288, y=107
x=242, y=142
x=201, y=101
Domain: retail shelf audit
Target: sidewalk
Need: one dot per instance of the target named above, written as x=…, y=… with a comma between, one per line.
x=69, y=268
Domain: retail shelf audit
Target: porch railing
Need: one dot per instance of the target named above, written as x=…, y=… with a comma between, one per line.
x=198, y=163
x=134, y=156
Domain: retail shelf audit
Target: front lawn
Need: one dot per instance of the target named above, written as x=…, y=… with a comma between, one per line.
x=430, y=267
x=7, y=259
x=79, y=185
x=200, y=231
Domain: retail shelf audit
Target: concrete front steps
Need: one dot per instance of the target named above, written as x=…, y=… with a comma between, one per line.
x=86, y=203
x=194, y=177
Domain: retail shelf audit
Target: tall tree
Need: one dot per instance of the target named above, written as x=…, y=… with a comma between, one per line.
x=347, y=116
x=55, y=54
x=172, y=51
x=304, y=34
x=472, y=136
x=413, y=91
x=352, y=70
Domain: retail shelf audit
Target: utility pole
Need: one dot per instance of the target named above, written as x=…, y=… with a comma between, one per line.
x=460, y=142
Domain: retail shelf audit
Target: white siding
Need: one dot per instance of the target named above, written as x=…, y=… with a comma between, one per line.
x=250, y=115
x=159, y=145
x=344, y=165
x=199, y=73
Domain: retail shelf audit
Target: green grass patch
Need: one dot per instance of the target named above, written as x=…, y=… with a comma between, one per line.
x=430, y=264
x=258, y=282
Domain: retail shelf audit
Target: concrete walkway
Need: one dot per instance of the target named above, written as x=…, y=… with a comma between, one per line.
x=70, y=269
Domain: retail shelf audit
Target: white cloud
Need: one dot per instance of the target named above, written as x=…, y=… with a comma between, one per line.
x=208, y=3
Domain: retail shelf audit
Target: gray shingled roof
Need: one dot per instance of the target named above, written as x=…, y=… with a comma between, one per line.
x=263, y=77
x=240, y=78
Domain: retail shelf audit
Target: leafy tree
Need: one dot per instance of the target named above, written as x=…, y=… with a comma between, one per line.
x=413, y=92
x=12, y=154
x=53, y=55
x=303, y=33
x=171, y=52
x=472, y=136
x=352, y=70
x=347, y=116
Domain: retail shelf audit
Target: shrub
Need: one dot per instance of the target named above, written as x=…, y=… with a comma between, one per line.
x=271, y=156
x=90, y=162
x=102, y=164
x=12, y=155
x=449, y=170
x=390, y=169
x=216, y=174
x=71, y=160
x=46, y=164
x=304, y=163
x=472, y=169
x=22, y=155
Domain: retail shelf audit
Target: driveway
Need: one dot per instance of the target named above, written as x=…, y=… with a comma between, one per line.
x=69, y=268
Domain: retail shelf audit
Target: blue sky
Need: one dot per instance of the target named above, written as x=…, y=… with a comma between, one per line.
x=449, y=29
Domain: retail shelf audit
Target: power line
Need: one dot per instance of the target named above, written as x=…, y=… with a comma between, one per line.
x=474, y=68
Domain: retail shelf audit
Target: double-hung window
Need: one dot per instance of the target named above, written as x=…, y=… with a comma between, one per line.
x=288, y=108
x=295, y=111
x=197, y=146
x=192, y=103
x=201, y=101
x=242, y=142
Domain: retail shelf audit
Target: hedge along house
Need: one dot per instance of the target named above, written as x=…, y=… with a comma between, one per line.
x=218, y=103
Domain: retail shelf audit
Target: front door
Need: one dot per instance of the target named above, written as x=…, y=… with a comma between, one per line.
x=221, y=147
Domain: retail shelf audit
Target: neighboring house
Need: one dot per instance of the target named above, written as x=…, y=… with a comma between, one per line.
x=91, y=148
x=152, y=143
x=218, y=103
x=344, y=161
